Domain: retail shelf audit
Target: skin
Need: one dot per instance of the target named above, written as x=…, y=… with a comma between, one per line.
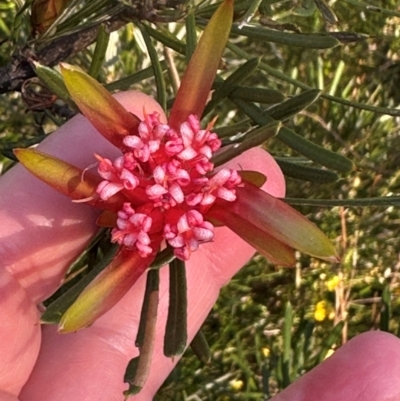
x=42, y=232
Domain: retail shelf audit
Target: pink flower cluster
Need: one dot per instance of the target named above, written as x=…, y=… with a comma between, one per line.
x=168, y=178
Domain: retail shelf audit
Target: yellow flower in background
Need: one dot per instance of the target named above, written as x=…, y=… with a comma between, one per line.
x=236, y=384
x=321, y=311
x=332, y=283
x=266, y=352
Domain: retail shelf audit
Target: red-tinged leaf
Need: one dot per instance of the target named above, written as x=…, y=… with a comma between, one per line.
x=105, y=290
x=275, y=251
x=282, y=222
x=66, y=178
x=200, y=73
x=106, y=114
x=254, y=177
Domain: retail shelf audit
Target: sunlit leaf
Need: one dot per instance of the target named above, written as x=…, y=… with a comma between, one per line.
x=106, y=114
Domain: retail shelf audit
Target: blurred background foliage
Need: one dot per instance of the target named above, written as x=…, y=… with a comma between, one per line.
x=270, y=325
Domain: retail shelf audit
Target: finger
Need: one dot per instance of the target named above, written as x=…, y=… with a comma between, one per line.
x=367, y=368
x=7, y=397
x=41, y=233
x=19, y=335
x=90, y=364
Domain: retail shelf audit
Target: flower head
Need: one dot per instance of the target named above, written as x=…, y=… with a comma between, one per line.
x=173, y=175
x=163, y=189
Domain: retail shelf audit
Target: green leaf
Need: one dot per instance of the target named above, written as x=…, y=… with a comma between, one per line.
x=99, y=54
x=314, y=152
x=326, y=12
x=176, y=330
x=150, y=304
x=126, y=82
x=386, y=310
x=307, y=41
x=364, y=202
x=306, y=173
x=54, y=81
x=254, y=94
x=166, y=38
x=191, y=35
x=138, y=368
x=281, y=76
x=253, y=138
x=236, y=78
x=306, y=9
x=200, y=347
x=333, y=338
x=294, y=105
x=157, y=69
x=287, y=344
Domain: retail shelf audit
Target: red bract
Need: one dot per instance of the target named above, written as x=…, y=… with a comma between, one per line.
x=163, y=188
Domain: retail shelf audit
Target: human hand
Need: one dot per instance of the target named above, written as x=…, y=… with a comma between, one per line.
x=43, y=231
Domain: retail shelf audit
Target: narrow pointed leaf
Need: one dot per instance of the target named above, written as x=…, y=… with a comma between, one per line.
x=150, y=305
x=228, y=86
x=294, y=105
x=253, y=138
x=307, y=41
x=66, y=178
x=156, y=65
x=255, y=94
x=138, y=369
x=315, y=152
x=200, y=347
x=200, y=73
x=163, y=258
x=99, y=55
x=326, y=12
x=176, y=329
x=272, y=249
x=191, y=35
x=282, y=222
x=105, y=290
x=305, y=173
x=54, y=81
x=106, y=114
